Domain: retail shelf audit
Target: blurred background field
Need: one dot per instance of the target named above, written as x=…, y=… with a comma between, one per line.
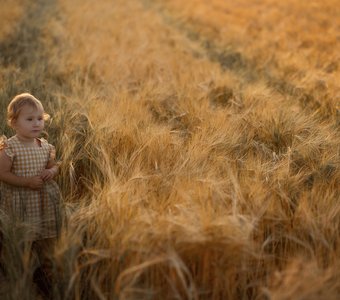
x=199, y=143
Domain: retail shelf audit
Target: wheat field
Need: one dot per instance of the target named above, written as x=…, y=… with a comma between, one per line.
x=199, y=142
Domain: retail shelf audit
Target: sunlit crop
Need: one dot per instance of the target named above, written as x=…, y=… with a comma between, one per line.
x=199, y=143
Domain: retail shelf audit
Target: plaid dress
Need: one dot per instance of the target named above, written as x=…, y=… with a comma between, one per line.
x=40, y=209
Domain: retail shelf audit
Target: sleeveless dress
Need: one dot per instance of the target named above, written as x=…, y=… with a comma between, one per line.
x=40, y=209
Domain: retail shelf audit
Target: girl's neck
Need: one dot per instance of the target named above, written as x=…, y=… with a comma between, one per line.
x=29, y=142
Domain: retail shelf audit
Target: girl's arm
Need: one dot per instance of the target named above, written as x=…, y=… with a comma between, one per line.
x=51, y=170
x=8, y=177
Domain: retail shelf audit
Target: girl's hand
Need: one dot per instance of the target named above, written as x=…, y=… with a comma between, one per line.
x=34, y=183
x=47, y=174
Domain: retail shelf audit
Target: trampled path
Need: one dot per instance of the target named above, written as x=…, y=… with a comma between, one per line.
x=247, y=70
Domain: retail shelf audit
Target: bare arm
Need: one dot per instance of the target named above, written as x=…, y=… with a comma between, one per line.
x=51, y=170
x=8, y=177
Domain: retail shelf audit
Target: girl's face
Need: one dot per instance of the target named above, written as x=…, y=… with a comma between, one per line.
x=30, y=123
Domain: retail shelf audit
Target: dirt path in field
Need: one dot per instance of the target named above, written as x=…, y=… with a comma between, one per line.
x=236, y=62
x=24, y=59
x=24, y=48
x=24, y=55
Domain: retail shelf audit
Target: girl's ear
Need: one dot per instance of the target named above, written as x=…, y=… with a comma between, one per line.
x=12, y=123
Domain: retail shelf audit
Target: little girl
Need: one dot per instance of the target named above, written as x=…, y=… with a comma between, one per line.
x=27, y=168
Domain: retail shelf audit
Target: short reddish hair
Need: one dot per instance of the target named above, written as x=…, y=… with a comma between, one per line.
x=18, y=102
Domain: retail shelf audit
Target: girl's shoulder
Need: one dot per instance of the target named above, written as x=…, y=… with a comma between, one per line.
x=7, y=145
x=51, y=149
x=5, y=142
x=44, y=143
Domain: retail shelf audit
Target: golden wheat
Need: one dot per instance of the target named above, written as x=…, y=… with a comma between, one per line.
x=295, y=42
x=10, y=15
x=182, y=179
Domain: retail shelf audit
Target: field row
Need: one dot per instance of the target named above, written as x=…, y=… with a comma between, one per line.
x=292, y=46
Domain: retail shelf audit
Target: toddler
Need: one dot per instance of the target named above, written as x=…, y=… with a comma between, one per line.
x=27, y=169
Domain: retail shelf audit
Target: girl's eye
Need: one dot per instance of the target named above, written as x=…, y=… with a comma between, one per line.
x=29, y=119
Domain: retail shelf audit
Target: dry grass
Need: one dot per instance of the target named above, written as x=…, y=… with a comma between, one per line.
x=182, y=180
x=10, y=15
x=294, y=42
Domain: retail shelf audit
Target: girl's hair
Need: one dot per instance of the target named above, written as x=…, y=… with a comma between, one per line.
x=18, y=102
